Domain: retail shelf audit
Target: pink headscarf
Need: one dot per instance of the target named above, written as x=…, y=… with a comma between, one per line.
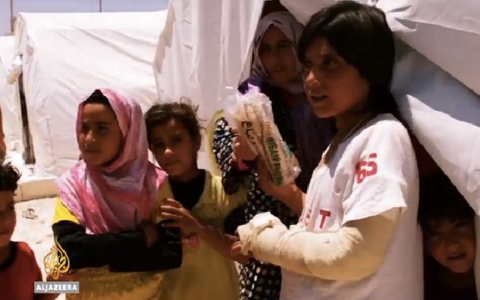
x=119, y=196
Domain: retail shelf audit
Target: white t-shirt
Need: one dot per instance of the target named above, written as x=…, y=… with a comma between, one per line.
x=372, y=172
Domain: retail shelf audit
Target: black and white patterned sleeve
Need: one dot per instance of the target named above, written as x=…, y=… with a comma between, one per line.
x=222, y=144
x=222, y=150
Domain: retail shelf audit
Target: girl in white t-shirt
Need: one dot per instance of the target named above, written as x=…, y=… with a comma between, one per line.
x=358, y=236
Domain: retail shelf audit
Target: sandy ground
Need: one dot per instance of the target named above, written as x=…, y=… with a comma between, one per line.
x=36, y=232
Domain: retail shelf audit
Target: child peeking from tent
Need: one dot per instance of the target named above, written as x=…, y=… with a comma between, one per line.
x=194, y=201
x=447, y=221
x=18, y=267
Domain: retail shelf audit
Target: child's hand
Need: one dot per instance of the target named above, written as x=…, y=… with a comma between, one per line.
x=181, y=217
x=241, y=148
x=237, y=253
x=265, y=183
x=191, y=240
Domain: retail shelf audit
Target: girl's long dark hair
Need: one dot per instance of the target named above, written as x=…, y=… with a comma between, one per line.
x=361, y=36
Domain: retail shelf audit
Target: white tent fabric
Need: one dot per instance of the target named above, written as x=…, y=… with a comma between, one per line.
x=447, y=32
x=202, y=49
x=445, y=117
x=9, y=97
x=68, y=55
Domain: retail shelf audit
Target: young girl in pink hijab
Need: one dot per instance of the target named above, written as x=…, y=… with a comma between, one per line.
x=104, y=216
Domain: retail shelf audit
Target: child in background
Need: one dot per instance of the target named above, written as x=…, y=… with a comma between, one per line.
x=18, y=267
x=104, y=216
x=448, y=226
x=193, y=200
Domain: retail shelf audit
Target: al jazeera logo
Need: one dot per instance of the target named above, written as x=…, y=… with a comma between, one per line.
x=56, y=265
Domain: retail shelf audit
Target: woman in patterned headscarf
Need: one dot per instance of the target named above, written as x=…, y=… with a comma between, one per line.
x=277, y=73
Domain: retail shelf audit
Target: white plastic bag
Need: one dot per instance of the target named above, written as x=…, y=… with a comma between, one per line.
x=252, y=115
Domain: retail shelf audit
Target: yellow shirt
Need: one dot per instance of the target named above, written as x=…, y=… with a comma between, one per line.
x=100, y=284
x=205, y=274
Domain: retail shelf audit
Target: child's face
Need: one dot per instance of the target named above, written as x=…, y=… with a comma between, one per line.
x=332, y=85
x=174, y=148
x=452, y=244
x=100, y=138
x=8, y=218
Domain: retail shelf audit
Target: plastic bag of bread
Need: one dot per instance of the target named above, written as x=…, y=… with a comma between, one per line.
x=251, y=113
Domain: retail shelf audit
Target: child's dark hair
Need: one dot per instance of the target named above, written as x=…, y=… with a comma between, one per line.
x=440, y=200
x=97, y=97
x=9, y=177
x=361, y=36
x=186, y=113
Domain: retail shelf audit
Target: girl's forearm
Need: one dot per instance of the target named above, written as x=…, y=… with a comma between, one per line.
x=293, y=198
x=218, y=240
x=351, y=253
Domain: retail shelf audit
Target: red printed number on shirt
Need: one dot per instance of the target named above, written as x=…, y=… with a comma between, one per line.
x=366, y=168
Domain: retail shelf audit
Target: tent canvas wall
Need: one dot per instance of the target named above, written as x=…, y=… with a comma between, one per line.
x=9, y=97
x=434, y=84
x=446, y=32
x=202, y=49
x=68, y=55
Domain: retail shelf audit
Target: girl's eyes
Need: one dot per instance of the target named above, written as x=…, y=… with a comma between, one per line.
x=457, y=229
x=102, y=129
x=157, y=145
x=462, y=225
x=306, y=66
x=99, y=130
x=284, y=45
x=173, y=142
x=326, y=65
x=268, y=49
x=329, y=62
x=177, y=139
x=263, y=50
